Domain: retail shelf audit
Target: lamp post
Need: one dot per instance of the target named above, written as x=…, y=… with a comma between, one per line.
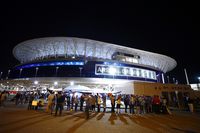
x=174, y=81
x=1, y=75
x=8, y=74
x=36, y=71
x=80, y=68
x=168, y=79
x=20, y=72
x=198, y=83
x=57, y=70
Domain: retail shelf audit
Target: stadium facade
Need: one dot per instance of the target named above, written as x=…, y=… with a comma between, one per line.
x=63, y=62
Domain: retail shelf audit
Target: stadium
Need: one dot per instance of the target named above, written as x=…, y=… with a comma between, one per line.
x=85, y=65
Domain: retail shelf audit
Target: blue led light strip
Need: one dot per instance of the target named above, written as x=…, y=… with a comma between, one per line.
x=55, y=63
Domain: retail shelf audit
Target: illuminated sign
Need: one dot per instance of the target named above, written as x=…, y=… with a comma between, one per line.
x=101, y=69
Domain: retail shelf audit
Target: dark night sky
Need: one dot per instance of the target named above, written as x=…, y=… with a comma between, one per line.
x=169, y=28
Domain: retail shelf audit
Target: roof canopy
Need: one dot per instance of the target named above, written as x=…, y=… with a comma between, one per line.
x=43, y=48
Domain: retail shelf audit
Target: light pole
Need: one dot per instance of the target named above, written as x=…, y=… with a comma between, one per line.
x=36, y=84
x=168, y=79
x=80, y=68
x=20, y=72
x=1, y=75
x=57, y=71
x=198, y=83
x=36, y=71
x=174, y=80
x=8, y=74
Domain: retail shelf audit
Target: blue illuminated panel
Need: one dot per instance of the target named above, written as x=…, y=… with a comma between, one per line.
x=53, y=63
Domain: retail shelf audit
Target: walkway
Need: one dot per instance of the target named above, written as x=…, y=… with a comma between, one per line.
x=19, y=120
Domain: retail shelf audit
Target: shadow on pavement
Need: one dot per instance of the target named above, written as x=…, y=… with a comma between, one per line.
x=112, y=118
x=21, y=126
x=31, y=113
x=99, y=117
x=185, y=131
x=121, y=117
x=80, y=123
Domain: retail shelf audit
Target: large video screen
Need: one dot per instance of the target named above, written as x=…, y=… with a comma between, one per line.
x=101, y=69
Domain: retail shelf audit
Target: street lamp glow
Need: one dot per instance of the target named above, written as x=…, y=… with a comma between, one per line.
x=55, y=83
x=199, y=78
x=71, y=83
x=35, y=82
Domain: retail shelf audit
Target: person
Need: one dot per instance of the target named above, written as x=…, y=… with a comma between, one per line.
x=137, y=105
x=126, y=102
x=112, y=100
x=86, y=99
x=190, y=105
x=156, y=104
x=30, y=100
x=17, y=97
x=68, y=101
x=148, y=102
x=76, y=102
x=98, y=102
x=104, y=103
x=118, y=104
x=41, y=101
x=3, y=98
x=93, y=101
x=164, y=105
x=60, y=102
x=81, y=102
x=186, y=102
x=72, y=104
x=142, y=104
x=131, y=104
x=51, y=102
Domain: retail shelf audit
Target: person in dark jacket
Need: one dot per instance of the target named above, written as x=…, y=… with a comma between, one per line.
x=60, y=102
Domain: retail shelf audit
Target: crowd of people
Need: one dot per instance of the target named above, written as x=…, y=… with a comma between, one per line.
x=132, y=104
x=56, y=101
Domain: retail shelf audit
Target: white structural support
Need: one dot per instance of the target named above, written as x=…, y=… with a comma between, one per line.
x=163, y=78
x=186, y=77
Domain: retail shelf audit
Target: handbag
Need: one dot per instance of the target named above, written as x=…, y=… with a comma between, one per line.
x=34, y=103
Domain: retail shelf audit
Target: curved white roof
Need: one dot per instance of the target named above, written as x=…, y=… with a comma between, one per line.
x=68, y=46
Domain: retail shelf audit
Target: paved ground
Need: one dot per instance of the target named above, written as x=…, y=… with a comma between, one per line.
x=19, y=120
